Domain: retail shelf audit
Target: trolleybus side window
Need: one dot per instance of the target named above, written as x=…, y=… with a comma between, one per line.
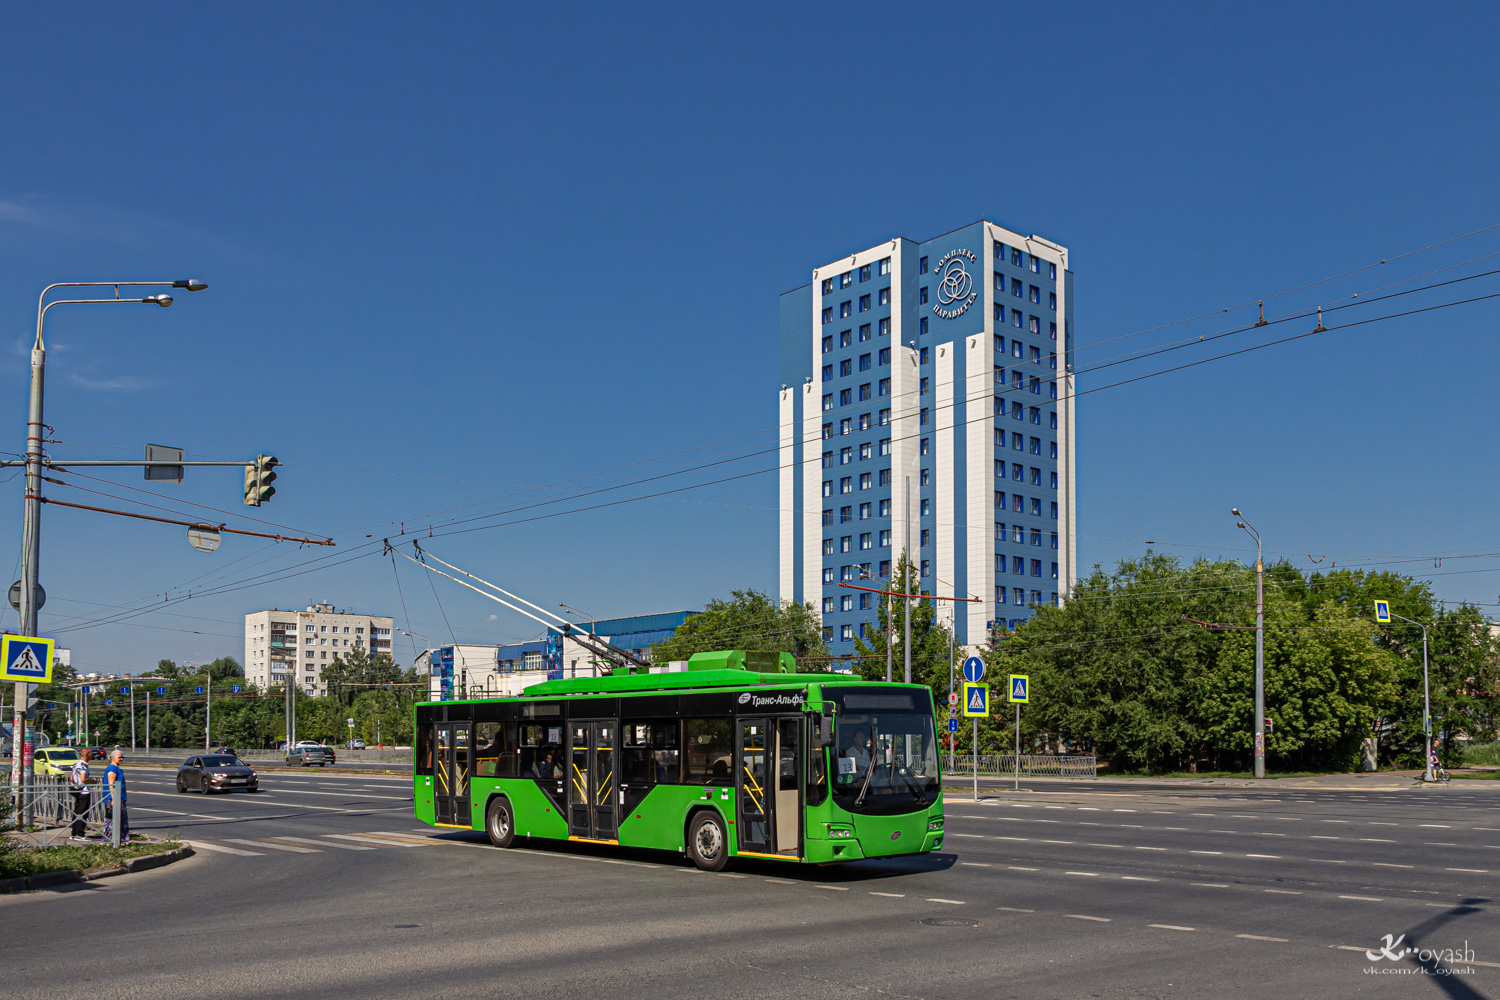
x=424, y=748
x=649, y=753
x=541, y=753
x=710, y=752
x=494, y=750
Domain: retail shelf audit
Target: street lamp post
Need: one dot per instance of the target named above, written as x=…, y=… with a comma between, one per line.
x=428, y=651
x=593, y=624
x=31, y=518
x=1260, y=647
x=1426, y=699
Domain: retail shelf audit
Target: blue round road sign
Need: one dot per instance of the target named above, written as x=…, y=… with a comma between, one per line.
x=973, y=670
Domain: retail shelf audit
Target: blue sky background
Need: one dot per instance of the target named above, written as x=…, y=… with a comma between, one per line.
x=458, y=253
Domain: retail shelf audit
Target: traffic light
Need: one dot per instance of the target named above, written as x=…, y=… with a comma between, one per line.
x=258, y=480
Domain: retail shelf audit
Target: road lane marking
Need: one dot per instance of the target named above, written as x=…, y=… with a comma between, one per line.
x=1436, y=826
x=1376, y=822
x=1375, y=840
x=1150, y=848
x=1018, y=868
x=1014, y=909
x=975, y=864
x=272, y=846
x=1261, y=937
x=1472, y=871
x=833, y=888
x=1089, y=874
x=1126, y=810
x=1139, y=878
x=1438, y=843
x=1119, y=846
x=1171, y=927
x=1210, y=885
x=1284, y=892
x=1366, y=899
x=1020, y=839
x=890, y=895
x=1276, y=856
x=1387, y=864
x=324, y=843
x=976, y=836
x=1336, y=821
x=779, y=881
x=951, y=902
x=1054, y=842
x=1317, y=837
x=1084, y=916
x=1327, y=861
x=221, y=849
x=1205, y=852
x=1089, y=809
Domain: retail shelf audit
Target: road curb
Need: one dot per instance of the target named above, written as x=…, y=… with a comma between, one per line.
x=47, y=880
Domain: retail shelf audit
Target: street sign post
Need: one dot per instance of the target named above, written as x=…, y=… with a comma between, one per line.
x=1020, y=694
x=976, y=704
x=952, y=725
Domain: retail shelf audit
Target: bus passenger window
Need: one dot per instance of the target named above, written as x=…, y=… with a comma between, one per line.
x=492, y=751
x=649, y=753
x=424, y=748
x=709, y=752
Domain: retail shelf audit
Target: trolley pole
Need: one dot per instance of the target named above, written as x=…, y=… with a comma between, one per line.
x=953, y=626
x=1260, y=647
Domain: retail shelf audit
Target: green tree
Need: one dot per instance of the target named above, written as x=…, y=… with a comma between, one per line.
x=749, y=620
x=931, y=638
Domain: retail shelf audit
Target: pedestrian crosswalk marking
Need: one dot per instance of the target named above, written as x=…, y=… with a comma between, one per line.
x=221, y=849
x=274, y=847
x=324, y=843
x=365, y=839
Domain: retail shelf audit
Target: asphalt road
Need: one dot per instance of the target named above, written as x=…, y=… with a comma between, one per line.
x=322, y=885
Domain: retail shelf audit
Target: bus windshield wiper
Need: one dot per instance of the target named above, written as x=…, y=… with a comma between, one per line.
x=869, y=773
x=916, y=789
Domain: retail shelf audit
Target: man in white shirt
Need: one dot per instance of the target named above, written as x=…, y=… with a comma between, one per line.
x=78, y=784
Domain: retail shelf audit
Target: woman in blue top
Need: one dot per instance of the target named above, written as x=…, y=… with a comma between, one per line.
x=114, y=784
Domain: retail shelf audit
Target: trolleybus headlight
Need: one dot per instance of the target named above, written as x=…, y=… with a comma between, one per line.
x=840, y=832
x=935, y=825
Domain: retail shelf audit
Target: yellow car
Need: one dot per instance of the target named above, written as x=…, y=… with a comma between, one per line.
x=55, y=760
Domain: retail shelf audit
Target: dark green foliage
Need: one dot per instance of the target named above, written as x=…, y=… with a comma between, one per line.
x=1124, y=669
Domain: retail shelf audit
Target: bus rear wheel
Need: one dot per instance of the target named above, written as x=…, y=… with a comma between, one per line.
x=708, y=845
x=500, y=823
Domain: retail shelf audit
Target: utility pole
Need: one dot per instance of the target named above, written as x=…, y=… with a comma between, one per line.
x=1260, y=648
x=208, y=706
x=132, y=715
x=906, y=601
x=148, y=720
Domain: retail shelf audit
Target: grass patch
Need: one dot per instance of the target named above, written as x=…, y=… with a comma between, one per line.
x=21, y=860
x=1476, y=775
x=1485, y=753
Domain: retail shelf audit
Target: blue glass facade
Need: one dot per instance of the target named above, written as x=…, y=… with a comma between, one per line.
x=926, y=406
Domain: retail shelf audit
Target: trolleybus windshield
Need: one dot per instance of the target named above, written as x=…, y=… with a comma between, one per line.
x=885, y=751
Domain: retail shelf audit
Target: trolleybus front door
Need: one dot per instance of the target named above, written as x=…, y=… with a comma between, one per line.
x=450, y=799
x=769, y=786
x=592, y=784
x=753, y=803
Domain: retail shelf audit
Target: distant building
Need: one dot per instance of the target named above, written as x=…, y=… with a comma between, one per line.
x=495, y=671
x=299, y=644
x=926, y=406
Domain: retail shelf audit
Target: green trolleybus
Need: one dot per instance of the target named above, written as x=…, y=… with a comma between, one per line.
x=737, y=756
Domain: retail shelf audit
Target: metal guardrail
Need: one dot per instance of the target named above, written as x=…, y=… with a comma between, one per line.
x=50, y=802
x=1002, y=765
x=343, y=756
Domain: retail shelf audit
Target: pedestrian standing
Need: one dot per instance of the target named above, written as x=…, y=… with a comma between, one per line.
x=78, y=784
x=114, y=784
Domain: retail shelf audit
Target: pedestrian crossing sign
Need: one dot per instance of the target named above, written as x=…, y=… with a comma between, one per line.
x=1383, y=611
x=1020, y=689
x=976, y=700
x=26, y=658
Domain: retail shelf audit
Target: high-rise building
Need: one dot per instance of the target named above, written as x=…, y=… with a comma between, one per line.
x=300, y=644
x=926, y=406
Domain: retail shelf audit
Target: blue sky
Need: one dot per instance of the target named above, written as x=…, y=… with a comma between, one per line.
x=460, y=253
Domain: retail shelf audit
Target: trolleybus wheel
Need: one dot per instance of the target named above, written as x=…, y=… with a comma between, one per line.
x=708, y=845
x=500, y=823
